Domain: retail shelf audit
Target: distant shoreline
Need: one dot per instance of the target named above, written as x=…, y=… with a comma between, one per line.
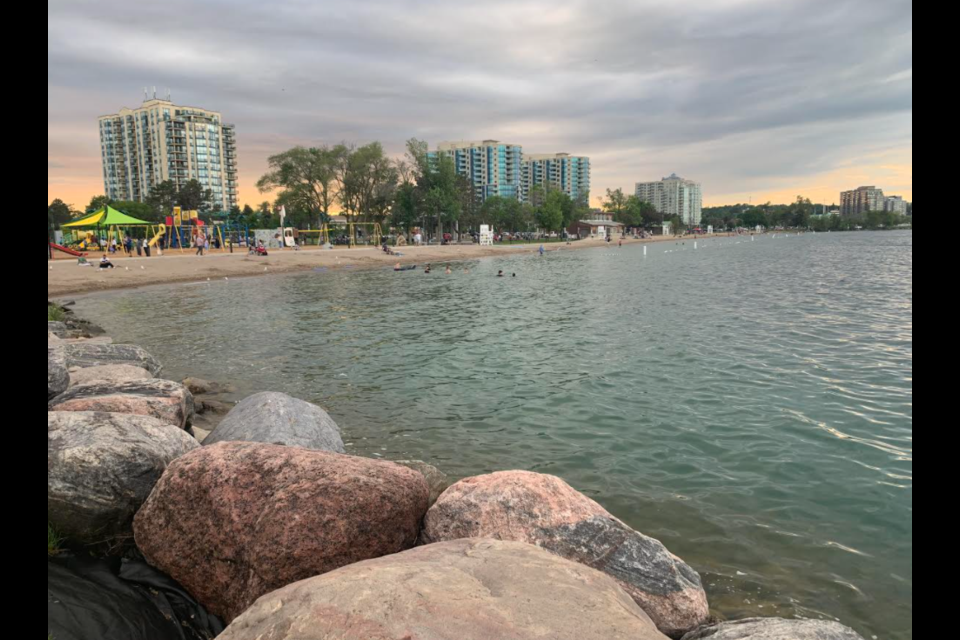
x=65, y=278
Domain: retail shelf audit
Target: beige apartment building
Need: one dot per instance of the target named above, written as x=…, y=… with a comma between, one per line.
x=862, y=200
x=160, y=141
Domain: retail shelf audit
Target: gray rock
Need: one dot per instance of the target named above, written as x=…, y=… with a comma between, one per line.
x=775, y=629
x=84, y=355
x=58, y=329
x=168, y=401
x=101, y=467
x=461, y=590
x=108, y=374
x=53, y=340
x=215, y=407
x=276, y=418
x=438, y=480
x=198, y=386
x=58, y=377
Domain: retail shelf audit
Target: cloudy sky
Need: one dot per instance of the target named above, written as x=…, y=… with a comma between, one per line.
x=756, y=99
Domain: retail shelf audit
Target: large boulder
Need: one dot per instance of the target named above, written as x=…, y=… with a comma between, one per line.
x=276, y=418
x=90, y=354
x=100, y=469
x=165, y=400
x=234, y=521
x=108, y=374
x=775, y=629
x=545, y=511
x=463, y=590
x=58, y=376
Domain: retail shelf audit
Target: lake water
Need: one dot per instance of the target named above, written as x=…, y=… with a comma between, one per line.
x=748, y=403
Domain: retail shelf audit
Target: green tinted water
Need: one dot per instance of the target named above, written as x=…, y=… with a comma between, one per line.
x=748, y=403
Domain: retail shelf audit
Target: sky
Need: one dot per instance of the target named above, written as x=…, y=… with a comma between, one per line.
x=758, y=100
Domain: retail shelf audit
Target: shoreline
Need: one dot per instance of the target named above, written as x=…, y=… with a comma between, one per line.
x=64, y=278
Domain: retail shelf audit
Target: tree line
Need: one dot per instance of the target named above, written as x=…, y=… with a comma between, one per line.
x=800, y=214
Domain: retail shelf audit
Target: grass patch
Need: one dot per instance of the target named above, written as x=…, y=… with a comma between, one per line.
x=54, y=540
x=55, y=314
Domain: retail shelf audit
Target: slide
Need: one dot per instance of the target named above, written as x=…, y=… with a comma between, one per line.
x=161, y=231
x=70, y=252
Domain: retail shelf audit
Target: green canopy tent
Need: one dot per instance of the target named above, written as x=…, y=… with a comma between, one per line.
x=107, y=218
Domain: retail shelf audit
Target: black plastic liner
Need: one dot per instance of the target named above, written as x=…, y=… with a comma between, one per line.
x=114, y=599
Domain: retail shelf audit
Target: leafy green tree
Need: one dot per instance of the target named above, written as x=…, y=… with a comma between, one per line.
x=97, y=203
x=550, y=213
x=306, y=177
x=59, y=213
x=616, y=203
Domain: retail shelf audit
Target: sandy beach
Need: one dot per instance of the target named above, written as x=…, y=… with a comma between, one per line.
x=65, y=278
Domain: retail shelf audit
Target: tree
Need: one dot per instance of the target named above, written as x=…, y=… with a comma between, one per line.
x=550, y=213
x=163, y=198
x=368, y=181
x=616, y=203
x=194, y=197
x=306, y=177
x=58, y=213
x=97, y=203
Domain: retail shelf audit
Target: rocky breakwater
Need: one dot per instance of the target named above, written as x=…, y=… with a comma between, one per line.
x=271, y=526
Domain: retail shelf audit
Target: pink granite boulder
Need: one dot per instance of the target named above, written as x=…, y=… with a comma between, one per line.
x=460, y=590
x=545, y=511
x=237, y=520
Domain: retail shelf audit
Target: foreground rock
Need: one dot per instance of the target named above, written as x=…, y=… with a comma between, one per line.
x=234, y=521
x=276, y=418
x=436, y=479
x=86, y=354
x=101, y=467
x=58, y=377
x=108, y=374
x=168, y=401
x=545, y=511
x=463, y=590
x=775, y=629
x=58, y=329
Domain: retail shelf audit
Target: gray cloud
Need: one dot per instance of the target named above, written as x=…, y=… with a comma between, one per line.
x=729, y=91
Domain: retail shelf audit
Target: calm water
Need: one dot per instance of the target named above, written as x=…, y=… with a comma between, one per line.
x=749, y=403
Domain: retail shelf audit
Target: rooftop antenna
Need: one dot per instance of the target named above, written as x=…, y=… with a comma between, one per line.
x=144, y=94
x=154, y=92
x=168, y=94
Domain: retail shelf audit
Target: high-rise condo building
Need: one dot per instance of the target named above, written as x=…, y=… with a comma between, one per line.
x=895, y=204
x=674, y=196
x=862, y=200
x=570, y=174
x=160, y=141
x=493, y=167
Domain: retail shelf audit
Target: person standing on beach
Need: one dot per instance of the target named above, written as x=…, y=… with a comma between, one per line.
x=128, y=245
x=200, y=243
x=542, y=251
x=146, y=247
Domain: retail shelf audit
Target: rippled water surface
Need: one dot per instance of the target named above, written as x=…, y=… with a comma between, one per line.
x=748, y=403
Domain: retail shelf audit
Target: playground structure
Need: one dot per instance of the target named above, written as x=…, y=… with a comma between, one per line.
x=100, y=230
x=184, y=228
x=322, y=237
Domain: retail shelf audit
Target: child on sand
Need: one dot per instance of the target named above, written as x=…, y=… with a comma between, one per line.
x=105, y=263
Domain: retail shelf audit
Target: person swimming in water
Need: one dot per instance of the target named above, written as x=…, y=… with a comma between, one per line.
x=500, y=275
x=449, y=271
